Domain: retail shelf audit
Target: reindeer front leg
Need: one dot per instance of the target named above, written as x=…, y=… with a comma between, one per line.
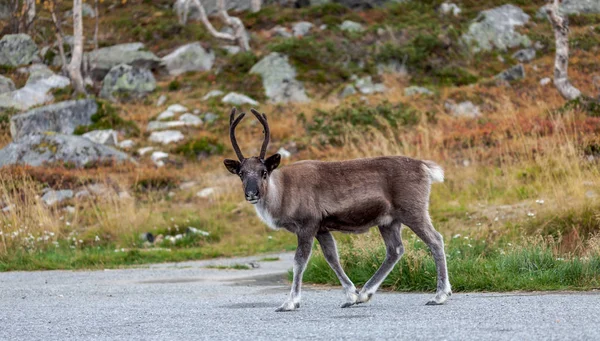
x=305, y=243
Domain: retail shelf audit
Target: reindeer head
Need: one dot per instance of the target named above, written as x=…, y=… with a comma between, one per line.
x=253, y=171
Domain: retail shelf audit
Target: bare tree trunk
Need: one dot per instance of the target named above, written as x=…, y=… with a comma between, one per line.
x=255, y=5
x=236, y=23
x=74, y=67
x=96, y=24
x=560, y=24
x=30, y=15
x=186, y=10
x=239, y=35
x=59, y=36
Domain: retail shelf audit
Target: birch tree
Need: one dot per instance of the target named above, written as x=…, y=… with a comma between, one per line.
x=560, y=25
x=74, y=68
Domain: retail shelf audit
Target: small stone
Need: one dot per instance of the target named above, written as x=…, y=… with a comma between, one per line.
x=147, y=237
x=157, y=158
x=284, y=153
x=525, y=55
x=448, y=7
x=231, y=49
x=144, y=150
x=463, y=109
x=69, y=209
x=591, y=194
x=190, y=120
x=166, y=137
x=161, y=100
x=545, y=81
x=205, y=193
x=165, y=115
x=516, y=72
x=323, y=27
x=107, y=137
x=417, y=90
x=83, y=194
x=349, y=90
x=157, y=125
x=187, y=185
x=280, y=31
x=177, y=108
x=193, y=230
x=538, y=45
x=351, y=26
x=209, y=117
x=212, y=93
x=365, y=86
x=302, y=28
x=238, y=99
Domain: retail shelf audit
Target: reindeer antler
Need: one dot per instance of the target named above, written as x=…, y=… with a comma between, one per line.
x=233, y=122
x=262, y=118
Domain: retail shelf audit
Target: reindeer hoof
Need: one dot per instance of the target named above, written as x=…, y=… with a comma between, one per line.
x=288, y=306
x=348, y=304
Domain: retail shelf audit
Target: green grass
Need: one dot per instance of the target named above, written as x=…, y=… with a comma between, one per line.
x=230, y=267
x=269, y=259
x=107, y=117
x=472, y=265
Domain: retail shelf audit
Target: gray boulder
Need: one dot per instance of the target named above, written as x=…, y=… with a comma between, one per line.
x=351, y=26
x=17, y=49
x=280, y=31
x=417, y=90
x=496, y=28
x=61, y=117
x=37, y=149
x=126, y=81
x=107, y=137
x=6, y=84
x=525, y=55
x=35, y=92
x=366, y=86
x=573, y=7
x=231, y=49
x=53, y=197
x=190, y=57
x=38, y=72
x=211, y=94
x=348, y=90
x=103, y=60
x=166, y=137
x=301, y=28
x=279, y=79
x=514, y=73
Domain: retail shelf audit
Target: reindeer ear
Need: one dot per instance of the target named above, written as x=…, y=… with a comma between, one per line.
x=272, y=162
x=233, y=166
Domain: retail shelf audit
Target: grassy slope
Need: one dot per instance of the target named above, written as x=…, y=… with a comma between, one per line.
x=520, y=151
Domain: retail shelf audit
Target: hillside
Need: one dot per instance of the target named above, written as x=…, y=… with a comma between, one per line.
x=404, y=78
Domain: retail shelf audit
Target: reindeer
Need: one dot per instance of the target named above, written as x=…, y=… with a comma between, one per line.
x=314, y=198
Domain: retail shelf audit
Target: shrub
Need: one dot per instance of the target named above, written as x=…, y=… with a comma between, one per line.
x=107, y=117
x=199, y=148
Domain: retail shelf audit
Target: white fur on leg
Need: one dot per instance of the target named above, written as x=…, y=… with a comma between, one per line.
x=289, y=305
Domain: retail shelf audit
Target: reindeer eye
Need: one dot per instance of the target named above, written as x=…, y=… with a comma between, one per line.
x=264, y=174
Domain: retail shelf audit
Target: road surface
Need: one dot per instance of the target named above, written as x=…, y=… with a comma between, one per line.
x=187, y=301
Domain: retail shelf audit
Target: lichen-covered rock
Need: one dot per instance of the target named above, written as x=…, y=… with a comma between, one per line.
x=61, y=117
x=348, y=90
x=53, y=197
x=301, y=28
x=6, y=84
x=351, y=26
x=366, y=86
x=573, y=7
x=514, y=73
x=17, y=49
x=38, y=149
x=101, y=61
x=38, y=72
x=448, y=7
x=525, y=55
x=125, y=81
x=190, y=57
x=279, y=79
x=34, y=93
x=417, y=90
x=166, y=137
x=212, y=93
x=238, y=99
x=107, y=137
x=463, y=109
x=496, y=28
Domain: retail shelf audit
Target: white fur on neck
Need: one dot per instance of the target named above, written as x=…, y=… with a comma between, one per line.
x=272, y=199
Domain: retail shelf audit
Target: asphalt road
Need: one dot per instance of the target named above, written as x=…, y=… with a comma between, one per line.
x=187, y=301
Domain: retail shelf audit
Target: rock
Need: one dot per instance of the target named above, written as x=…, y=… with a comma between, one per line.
x=37, y=73
x=349, y=90
x=157, y=125
x=17, y=49
x=302, y=28
x=284, y=153
x=187, y=185
x=83, y=194
x=6, y=84
x=211, y=94
x=193, y=230
x=448, y=7
x=238, y=99
x=463, y=109
x=165, y=115
x=573, y=7
x=545, y=81
x=323, y=27
x=104, y=59
x=205, y=193
x=514, y=73
x=279, y=79
x=37, y=149
x=61, y=117
x=106, y=137
x=365, y=86
x=157, y=158
x=417, y=90
x=280, y=31
x=166, y=137
x=190, y=57
x=496, y=28
x=161, y=100
x=524, y=55
x=147, y=237
x=53, y=197
x=177, y=108
x=231, y=49
x=351, y=26
x=125, y=81
x=190, y=120
x=144, y=150
x=209, y=117
x=126, y=144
